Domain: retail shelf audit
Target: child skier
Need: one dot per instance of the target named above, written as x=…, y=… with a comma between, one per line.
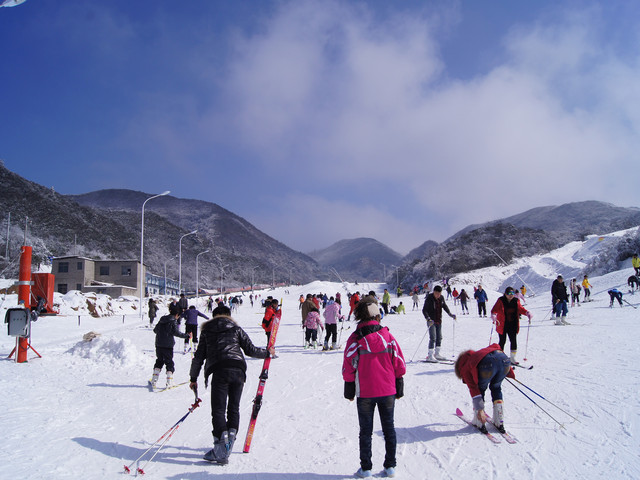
x=191, y=324
x=481, y=369
x=311, y=324
x=165, y=330
x=331, y=316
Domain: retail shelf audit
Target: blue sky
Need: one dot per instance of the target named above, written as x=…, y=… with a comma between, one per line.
x=322, y=120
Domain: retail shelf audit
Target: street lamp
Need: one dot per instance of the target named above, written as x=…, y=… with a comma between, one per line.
x=397, y=280
x=180, y=260
x=197, y=283
x=142, y=248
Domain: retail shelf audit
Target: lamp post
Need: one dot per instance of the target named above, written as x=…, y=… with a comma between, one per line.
x=180, y=259
x=384, y=272
x=397, y=279
x=197, y=283
x=222, y=275
x=142, y=249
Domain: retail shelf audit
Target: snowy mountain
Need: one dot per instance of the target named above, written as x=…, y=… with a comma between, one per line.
x=231, y=239
x=358, y=259
x=536, y=231
x=83, y=409
x=106, y=225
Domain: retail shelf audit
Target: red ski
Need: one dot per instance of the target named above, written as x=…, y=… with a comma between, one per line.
x=257, y=402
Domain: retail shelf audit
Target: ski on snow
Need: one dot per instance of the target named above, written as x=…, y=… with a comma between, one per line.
x=526, y=367
x=506, y=435
x=445, y=362
x=489, y=435
x=257, y=402
x=158, y=390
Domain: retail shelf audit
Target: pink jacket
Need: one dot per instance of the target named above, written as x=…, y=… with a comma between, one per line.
x=313, y=320
x=373, y=362
x=332, y=313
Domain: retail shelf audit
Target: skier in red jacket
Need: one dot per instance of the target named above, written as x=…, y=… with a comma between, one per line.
x=481, y=369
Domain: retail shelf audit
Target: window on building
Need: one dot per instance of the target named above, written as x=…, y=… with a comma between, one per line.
x=62, y=288
x=78, y=286
x=104, y=270
x=63, y=267
x=126, y=271
x=79, y=265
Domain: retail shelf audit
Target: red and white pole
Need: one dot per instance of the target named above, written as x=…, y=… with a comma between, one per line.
x=24, y=294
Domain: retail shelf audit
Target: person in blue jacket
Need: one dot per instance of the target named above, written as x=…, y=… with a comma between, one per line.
x=481, y=296
x=615, y=294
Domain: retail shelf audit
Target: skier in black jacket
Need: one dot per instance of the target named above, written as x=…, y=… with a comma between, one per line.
x=559, y=300
x=220, y=348
x=166, y=329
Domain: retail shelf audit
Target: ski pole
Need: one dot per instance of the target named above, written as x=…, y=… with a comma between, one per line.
x=453, y=347
x=419, y=345
x=534, y=402
x=168, y=434
x=491, y=334
x=532, y=390
x=526, y=345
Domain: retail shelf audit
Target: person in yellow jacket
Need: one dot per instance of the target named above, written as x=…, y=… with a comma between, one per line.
x=635, y=262
x=587, y=289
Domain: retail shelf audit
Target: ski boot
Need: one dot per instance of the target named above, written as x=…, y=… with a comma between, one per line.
x=333, y=346
x=438, y=356
x=325, y=346
x=477, y=423
x=169, y=379
x=513, y=357
x=154, y=377
x=430, y=357
x=219, y=453
x=498, y=416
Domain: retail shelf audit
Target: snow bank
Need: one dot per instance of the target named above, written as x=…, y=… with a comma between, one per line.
x=108, y=350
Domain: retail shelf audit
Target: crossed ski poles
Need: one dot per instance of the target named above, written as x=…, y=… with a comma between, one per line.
x=161, y=442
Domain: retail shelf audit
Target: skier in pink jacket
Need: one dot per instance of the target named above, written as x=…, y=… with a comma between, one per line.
x=372, y=369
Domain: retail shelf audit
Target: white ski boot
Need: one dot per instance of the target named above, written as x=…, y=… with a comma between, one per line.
x=498, y=415
x=438, y=356
x=154, y=377
x=513, y=357
x=169, y=379
x=430, y=357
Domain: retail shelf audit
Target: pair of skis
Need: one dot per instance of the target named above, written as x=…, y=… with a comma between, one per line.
x=494, y=438
x=161, y=389
x=257, y=401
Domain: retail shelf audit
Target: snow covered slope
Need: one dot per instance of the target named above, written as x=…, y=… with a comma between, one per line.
x=83, y=409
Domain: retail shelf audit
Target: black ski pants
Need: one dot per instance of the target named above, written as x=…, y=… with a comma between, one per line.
x=511, y=331
x=226, y=392
x=331, y=331
x=164, y=356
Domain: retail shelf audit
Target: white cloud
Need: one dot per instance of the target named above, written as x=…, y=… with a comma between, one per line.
x=355, y=94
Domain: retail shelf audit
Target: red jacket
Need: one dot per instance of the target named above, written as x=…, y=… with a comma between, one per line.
x=501, y=318
x=353, y=301
x=267, y=321
x=468, y=367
